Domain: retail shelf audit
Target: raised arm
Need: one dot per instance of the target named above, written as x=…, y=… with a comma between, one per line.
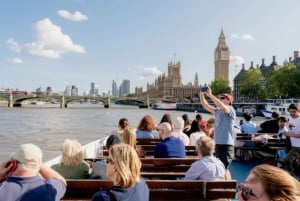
x=205, y=104
x=218, y=103
x=47, y=173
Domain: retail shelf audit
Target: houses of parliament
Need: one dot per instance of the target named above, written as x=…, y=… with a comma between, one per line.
x=170, y=86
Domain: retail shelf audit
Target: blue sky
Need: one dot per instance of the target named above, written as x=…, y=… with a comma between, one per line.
x=75, y=42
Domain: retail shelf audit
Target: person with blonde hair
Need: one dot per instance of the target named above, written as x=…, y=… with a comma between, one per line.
x=123, y=168
x=208, y=167
x=129, y=137
x=123, y=124
x=72, y=165
x=266, y=182
x=210, y=124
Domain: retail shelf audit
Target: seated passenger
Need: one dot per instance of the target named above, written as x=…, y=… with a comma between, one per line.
x=170, y=146
x=72, y=165
x=25, y=177
x=146, y=128
x=195, y=132
x=123, y=168
x=123, y=124
x=187, y=123
x=208, y=167
x=129, y=137
x=248, y=127
x=99, y=169
x=210, y=124
x=270, y=126
x=178, y=131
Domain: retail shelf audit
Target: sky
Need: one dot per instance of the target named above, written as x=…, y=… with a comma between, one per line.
x=59, y=43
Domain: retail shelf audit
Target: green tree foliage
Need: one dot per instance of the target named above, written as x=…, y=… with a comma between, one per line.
x=220, y=86
x=283, y=83
x=251, y=83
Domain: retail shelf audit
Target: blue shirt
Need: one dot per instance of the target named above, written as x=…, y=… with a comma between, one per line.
x=137, y=192
x=248, y=127
x=32, y=189
x=170, y=147
x=146, y=134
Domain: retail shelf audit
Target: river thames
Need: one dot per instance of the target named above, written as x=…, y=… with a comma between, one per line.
x=48, y=126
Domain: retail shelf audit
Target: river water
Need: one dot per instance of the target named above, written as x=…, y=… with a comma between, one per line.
x=48, y=126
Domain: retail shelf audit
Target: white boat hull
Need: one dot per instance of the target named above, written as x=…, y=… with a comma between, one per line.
x=164, y=106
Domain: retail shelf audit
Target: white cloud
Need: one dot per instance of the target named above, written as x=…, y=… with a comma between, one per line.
x=236, y=60
x=76, y=16
x=151, y=71
x=242, y=36
x=13, y=45
x=50, y=41
x=15, y=60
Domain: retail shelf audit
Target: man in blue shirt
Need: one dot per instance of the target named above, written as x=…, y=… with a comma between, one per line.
x=170, y=147
x=28, y=178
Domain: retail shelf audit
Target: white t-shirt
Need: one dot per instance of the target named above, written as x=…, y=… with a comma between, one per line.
x=295, y=130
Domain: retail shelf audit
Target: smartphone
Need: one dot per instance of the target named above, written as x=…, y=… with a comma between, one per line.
x=14, y=165
x=204, y=89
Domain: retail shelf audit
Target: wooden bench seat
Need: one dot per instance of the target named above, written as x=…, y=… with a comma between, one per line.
x=160, y=190
x=147, y=141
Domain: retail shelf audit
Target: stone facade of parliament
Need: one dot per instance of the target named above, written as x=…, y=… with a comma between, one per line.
x=170, y=86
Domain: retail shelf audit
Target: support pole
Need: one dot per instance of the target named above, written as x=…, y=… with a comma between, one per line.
x=108, y=103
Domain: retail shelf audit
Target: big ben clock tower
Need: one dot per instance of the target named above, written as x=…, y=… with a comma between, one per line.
x=222, y=54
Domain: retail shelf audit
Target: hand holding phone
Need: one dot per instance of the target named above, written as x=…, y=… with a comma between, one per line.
x=14, y=166
x=204, y=89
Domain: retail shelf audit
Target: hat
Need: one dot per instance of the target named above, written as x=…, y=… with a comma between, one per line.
x=30, y=155
x=227, y=96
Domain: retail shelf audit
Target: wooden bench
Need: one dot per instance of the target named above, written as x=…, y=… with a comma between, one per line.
x=160, y=190
x=148, y=141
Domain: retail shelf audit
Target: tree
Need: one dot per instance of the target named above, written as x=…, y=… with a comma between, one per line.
x=251, y=83
x=220, y=86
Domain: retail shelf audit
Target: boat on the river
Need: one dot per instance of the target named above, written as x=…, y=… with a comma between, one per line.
x=165, y=105
x=278, y=105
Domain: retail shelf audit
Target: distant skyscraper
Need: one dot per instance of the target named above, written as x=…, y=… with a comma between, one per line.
x=74, y=91
x=67, y=91
x=124, y=87
x=92, y=90
x=114, y=89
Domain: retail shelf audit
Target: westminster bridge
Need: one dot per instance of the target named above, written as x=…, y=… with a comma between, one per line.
x=16, y=100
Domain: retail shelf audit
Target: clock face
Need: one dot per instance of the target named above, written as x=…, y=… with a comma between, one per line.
x=224, y=55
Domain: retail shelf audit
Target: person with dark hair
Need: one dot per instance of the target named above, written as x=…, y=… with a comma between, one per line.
x=195, y=132
x=270, y=126
x=248, y=126
x=167, y=118
x=225, y=117
x=201, y=122
x=99, y=169
x=292, y=160
x=187, y=123
x=123, y=124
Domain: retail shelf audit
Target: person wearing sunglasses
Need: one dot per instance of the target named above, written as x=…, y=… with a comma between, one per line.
x=267, y=183
x=225, y=117
x=123, y=168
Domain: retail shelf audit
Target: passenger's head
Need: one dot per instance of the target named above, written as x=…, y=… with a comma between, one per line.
x=282, y=122
x=147, y=123
x=205, y=146
x=195, y=127
x=274, y=115
x=179, y=123
x=266, y=182
x=123, y=165
x=164, y=130
x=123, y=123
x=166, y=118
x=247, y=116
x=72, y=153
x=129, y=137
x=112, y=140
x=29, y=156
x=293, y=110
x=226, y=99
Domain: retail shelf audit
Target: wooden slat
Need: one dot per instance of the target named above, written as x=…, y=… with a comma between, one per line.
x=83, y=189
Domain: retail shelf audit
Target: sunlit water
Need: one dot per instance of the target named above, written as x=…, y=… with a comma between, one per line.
x=47, y=126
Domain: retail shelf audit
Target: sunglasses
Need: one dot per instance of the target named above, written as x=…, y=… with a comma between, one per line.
x=246, y=192
x=109, y=160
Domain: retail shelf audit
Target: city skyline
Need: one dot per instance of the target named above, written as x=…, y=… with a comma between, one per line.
x=76, y=42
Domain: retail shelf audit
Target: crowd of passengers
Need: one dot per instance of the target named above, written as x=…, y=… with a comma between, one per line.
x=25, y=177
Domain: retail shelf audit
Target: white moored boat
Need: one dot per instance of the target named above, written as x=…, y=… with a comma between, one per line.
x=164, y=105
x=278, y=105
